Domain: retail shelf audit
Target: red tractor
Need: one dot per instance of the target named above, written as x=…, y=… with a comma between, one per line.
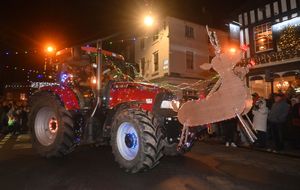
x=95, y=102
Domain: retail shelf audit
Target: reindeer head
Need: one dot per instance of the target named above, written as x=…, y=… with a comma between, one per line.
x=222, y=62
x=226, y=61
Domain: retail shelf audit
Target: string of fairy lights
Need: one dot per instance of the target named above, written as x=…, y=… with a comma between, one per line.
x=138, y=76
x=120, y=75
x=174, y=88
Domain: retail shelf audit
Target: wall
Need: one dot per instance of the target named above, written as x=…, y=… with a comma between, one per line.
x=161, y=45
x=179, y=44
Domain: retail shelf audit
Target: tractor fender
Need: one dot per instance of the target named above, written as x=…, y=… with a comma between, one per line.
x=64, y=94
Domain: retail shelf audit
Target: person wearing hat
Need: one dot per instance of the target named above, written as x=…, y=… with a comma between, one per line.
x=277, y=119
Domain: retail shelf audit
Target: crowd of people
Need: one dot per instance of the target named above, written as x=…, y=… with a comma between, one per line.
x=276, y=122
x=13, y=117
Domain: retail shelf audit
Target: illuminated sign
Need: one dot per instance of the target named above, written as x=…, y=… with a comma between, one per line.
x=292, y=22
x=234, y=31
x=41, y=84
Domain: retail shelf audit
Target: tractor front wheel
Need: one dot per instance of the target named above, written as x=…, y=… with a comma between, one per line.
x=136, y=140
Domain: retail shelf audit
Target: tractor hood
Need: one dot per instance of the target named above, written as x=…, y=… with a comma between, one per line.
x=142, y=93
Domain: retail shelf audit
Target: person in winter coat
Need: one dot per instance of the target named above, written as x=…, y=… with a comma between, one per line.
x=277, y=120
x=260, y=116
x=295, y=121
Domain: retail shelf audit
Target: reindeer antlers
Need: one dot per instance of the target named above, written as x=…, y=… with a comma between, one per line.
x=214, y=40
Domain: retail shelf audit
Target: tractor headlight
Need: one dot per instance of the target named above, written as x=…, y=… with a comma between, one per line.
x=170, y=104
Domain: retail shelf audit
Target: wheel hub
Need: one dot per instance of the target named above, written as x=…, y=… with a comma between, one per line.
x=46, y=126
x=53, y=125
x=127, y=141
x=130, y=140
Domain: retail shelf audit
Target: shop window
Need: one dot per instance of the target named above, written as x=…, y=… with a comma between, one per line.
x=263, y=37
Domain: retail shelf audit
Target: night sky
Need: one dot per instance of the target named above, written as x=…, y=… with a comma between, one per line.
x=28, y=24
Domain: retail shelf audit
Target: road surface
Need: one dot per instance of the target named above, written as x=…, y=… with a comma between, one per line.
x=207, y=166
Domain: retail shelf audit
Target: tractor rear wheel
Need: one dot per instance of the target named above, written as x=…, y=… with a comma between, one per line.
x=136, y=140
x=51, y=126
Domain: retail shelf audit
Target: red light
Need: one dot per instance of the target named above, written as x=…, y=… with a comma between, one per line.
x=252, y=63
x=244, y=47
x=232, y=50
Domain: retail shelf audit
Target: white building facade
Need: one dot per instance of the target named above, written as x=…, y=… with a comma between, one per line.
x=174, y=51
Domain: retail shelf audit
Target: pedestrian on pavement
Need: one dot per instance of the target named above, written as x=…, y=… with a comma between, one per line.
x=230, y=130
x=1, y=114
x=260, y=113
x=295, y=121
x=277, y=119
x=255, y=97
x=4, y=118
x=24, y=119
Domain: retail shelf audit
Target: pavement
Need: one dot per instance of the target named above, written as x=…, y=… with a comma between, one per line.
x=288, y=149
x=207, y=166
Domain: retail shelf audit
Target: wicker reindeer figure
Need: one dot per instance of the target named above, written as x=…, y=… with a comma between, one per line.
x=229, y=97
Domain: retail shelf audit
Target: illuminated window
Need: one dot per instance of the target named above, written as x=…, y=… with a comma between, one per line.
x=189, y=60
x=263, y=37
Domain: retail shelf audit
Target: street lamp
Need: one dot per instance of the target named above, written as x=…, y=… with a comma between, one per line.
x=148, y=20
x=50, y=49
x=232, y=50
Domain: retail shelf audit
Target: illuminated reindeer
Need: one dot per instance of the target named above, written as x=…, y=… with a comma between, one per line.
x=230, y=97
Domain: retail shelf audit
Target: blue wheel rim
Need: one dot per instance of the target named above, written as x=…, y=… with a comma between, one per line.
x=127, y=141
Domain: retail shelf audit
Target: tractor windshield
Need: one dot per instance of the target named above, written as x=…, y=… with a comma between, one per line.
x=80, y=68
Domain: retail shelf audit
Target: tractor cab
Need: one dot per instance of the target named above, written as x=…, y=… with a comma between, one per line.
x=77, y=68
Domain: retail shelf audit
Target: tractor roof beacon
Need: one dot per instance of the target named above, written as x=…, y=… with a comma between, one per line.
x=92, y=104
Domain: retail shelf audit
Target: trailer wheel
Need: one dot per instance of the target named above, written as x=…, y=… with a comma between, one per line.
x=136, y=140
x=51, y=126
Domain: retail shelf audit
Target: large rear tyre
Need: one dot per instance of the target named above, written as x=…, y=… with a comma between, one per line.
x=51, y=126
x=136, y=140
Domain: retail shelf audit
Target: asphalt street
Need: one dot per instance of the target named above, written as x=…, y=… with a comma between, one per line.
x=207, y=166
